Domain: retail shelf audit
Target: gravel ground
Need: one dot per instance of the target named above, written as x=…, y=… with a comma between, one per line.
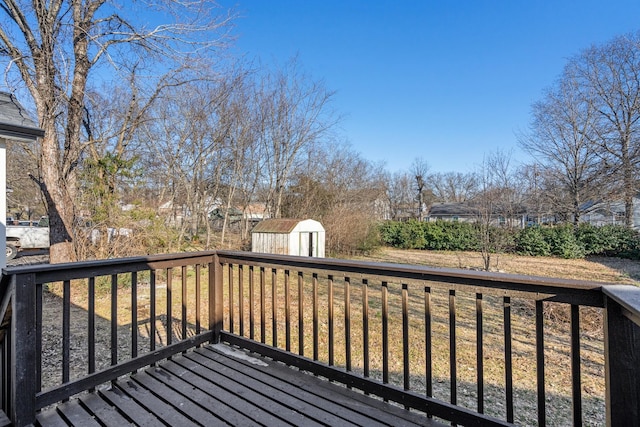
x=30, y=258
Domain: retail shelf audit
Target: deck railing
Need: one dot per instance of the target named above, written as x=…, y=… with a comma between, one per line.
x=65, y=329
x=469, y=347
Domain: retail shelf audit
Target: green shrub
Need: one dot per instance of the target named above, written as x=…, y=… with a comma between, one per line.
x=458, y=236
x=563, y=242
x=390, y=233
x=531, y=241
x=438, y=235
x=609, y=240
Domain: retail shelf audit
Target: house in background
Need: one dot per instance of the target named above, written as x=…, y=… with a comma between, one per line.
x=462, y=212
x=250, y=214
x=601, y=212
x=470, y=212
x=286, y=236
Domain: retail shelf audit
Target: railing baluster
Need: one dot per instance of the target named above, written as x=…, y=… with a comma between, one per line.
x=170, y=306
x=575, y=365
x=385, y=332
x=252, y=322
x=184, y=302
x=300, y=313
x=199, y=299
x=347, y=322
x=542, y=416
x=241, y=297
x=91, y=336
x=152, y=310
x=287, y=311
x=38, y=337
x=134, y=314
x=315, y=316
x=263, y=316
x=453, y=373
x=231, y=302
x=5, y=362
x=274, y=306
x=114, y=319
x=479, y=353
x=508, y=365
x=365, y=325
x=405, y=337
x=66, y=329
x=428, y=342
x=330, y=318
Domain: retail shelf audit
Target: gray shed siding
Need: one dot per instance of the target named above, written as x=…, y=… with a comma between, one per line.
x=274, y=243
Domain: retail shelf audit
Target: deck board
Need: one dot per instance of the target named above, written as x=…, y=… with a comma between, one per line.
x=316, y=404
x=219, y=385
x=236, y=404
x=283, y=404
x=76, y=415
x=137, y=414
x=105, y=413
x=378, y=412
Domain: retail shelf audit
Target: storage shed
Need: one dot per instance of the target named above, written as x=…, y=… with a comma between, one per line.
x=286, y=236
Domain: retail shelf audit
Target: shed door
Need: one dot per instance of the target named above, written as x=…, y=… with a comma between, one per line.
x=309, y=244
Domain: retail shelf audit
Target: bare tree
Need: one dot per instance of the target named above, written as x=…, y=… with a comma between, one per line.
x=52, y=47
x=399, y=194
x=342, y=190
x=496, y=204
x=295, y=115
x=453, y=186
x=561, y=137
x=609, y=76
x=191, y=137
x=420, y=170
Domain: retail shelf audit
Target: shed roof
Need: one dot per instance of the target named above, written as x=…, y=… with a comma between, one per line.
x=15, y=123
x=279, y=225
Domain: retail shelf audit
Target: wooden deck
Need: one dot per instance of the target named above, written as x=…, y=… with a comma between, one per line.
x=221, y=385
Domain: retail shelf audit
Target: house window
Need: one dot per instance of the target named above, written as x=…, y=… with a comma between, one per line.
x=455, y=218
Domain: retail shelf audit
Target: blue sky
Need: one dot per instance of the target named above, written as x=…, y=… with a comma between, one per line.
x=447, y=81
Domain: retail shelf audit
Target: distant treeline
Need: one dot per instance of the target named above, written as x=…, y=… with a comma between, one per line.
x=565, y=241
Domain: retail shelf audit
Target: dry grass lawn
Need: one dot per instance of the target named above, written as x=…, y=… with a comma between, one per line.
x=601, y=269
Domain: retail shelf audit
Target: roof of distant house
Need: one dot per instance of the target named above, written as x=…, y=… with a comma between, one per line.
x=15, y=123
x=452, y=209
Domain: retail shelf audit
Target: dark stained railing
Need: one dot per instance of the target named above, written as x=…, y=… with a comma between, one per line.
x=472, y=348
x=33, y=295
x=386, y=324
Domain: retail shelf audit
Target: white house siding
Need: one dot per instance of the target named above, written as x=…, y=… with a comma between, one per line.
x=611, y=213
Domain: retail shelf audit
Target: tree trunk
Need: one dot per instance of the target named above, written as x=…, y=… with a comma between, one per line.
x=60, y=203
x=628, y=183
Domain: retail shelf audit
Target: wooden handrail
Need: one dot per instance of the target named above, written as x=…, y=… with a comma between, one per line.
x=587, y=293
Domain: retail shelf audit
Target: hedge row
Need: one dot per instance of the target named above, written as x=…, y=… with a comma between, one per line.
x=564, y=241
